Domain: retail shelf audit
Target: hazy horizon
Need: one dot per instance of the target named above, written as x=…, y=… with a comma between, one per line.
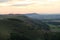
x=28, y=13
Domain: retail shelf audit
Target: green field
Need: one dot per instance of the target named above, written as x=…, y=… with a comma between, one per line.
x=54, y=28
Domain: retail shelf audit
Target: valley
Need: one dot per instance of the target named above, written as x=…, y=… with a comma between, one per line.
x=22, y=27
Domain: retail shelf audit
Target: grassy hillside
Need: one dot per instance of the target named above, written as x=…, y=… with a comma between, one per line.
x=20, y=27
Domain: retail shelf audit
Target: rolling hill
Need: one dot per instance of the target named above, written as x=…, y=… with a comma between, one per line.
x=43, y=16
x=14, y=27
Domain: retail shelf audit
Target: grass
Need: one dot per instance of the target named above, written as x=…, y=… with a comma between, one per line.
x=54, y=28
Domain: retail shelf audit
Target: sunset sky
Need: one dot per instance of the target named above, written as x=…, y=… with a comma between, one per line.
x=29, y=6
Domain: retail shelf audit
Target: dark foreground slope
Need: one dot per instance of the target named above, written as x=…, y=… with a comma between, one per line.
x=24, y=28
x=22, y=25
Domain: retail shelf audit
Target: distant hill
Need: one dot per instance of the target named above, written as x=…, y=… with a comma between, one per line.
x=43, y=16
x=34, y=16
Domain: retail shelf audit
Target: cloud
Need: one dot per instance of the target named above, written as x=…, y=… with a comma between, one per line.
x=5, y=4
x=27, y=2
x=19, y=2
x=14, y=3
x=22, y=3
x=4, y=0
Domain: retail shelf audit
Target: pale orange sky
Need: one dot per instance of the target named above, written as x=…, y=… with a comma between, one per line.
x=29, y=6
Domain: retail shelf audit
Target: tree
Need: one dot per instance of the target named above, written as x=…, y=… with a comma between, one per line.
x=16, y=36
